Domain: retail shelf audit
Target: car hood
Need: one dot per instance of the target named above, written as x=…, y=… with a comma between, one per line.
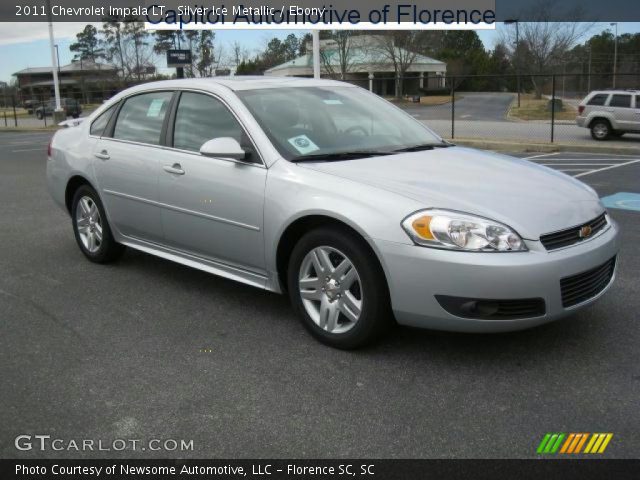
x=530, y=198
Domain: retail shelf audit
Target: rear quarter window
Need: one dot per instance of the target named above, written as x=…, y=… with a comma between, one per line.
x=598, y=99
x=99, y=124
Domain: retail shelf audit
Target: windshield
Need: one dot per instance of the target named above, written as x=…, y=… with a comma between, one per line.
x=315, y=122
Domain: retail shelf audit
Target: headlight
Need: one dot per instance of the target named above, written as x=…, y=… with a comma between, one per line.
x=460, y=231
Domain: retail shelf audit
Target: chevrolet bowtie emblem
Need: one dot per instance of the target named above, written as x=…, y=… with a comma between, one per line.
x=585, y=231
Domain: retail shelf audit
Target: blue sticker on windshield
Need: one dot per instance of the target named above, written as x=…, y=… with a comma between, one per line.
x=303, y=144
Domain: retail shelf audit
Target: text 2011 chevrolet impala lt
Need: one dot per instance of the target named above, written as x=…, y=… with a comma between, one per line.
x=325, y=191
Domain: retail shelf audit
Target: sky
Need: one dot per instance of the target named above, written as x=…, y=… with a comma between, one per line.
x=25, y=45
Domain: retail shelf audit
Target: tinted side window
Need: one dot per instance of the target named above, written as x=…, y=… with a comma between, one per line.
x=200, y=118
x=99, y=124
x=620, y=101
x=637, y=101
x=141, y=117
x=598, y=99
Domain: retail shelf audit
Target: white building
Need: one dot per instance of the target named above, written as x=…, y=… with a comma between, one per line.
x=368, y=65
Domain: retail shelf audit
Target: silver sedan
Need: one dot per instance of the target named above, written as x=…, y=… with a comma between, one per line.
x=329, y=193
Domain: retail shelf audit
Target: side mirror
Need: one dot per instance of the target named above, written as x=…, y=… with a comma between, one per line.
x=223, y=147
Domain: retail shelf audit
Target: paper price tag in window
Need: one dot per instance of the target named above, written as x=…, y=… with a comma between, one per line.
x=303, y=144
x=155, y=107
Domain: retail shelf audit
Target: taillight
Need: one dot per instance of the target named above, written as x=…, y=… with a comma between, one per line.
x=580, y=109
x=49, y=150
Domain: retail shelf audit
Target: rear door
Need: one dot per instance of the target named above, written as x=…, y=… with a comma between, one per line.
x=127, y=165
x=213, y=207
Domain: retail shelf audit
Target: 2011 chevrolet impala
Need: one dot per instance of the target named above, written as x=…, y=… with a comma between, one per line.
x=326, y=191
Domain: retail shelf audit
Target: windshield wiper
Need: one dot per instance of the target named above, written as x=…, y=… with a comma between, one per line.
x=352, y=155
x=423, y=146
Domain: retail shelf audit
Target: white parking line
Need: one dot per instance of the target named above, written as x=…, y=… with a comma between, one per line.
x=574, y=164
x=607, y=168
x=541, y=155
x=608, y=160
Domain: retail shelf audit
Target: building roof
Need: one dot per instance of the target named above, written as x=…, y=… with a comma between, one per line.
x=79, y=66
x=361, y=59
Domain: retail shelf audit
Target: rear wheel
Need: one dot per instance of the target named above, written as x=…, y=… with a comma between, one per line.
x=600, y=129
x=91, y=228
x=338, y=289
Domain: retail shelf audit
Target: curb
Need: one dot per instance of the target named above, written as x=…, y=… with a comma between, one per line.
x=30, y=129
x=524, y=146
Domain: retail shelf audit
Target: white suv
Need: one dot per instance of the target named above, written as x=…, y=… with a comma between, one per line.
x=610, y=113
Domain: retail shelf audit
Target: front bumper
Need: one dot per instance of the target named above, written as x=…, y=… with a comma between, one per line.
x=417, y=274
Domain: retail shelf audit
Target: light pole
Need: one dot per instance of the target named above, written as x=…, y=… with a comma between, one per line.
x=56, y=85
x=315, y=39
x=58, y=57
x=516, y=54
x=615, y=53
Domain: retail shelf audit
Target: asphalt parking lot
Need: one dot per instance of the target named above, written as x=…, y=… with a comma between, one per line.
x=146, y=348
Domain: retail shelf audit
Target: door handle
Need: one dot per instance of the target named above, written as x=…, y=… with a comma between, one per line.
x=103, y=155
x=176, y=169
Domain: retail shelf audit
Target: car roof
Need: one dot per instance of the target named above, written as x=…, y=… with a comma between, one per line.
x=242, y=82
x=606, y=92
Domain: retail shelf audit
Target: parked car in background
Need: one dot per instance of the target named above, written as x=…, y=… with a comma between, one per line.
x=70, y=106
x=329, y=193
x=29, y=105
x=610, y=113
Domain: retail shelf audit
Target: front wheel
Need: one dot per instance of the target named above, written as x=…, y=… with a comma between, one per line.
x=91, y=228
x=338, y=288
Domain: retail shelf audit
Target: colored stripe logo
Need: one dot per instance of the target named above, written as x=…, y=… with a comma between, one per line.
x=572, y=443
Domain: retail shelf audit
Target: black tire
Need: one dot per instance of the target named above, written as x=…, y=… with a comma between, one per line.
x=376, y=315
x=108, y=250
x=600, y=129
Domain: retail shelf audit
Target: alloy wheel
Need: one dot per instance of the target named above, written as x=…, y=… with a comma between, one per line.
x=600, y=130
x=330, y=289
x=89, y=224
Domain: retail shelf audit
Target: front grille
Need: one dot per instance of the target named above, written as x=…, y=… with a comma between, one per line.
x=492, y=309
x=583, y=286
x=567, y=237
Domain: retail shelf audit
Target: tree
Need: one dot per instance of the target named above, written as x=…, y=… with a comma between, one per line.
x=167, y=40
x=239, y=53
x=339, y=53
x=87, y=45
x=112, y=42
x=543, y=43
x=398, y=48
x=205, y=58
x=137, y=52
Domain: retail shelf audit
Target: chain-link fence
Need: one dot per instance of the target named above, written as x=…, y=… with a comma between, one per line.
x=508, y=108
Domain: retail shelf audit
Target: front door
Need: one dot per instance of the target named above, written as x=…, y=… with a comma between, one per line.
x=212, y=207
